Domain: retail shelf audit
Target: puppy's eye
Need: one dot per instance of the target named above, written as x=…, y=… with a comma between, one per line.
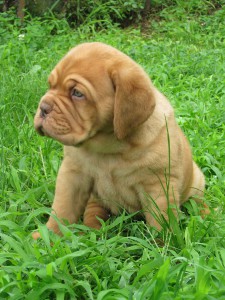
x=77, y=95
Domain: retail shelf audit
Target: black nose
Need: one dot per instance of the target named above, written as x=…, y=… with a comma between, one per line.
x=45, y=109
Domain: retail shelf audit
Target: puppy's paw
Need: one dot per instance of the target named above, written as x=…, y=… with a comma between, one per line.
x=36, y=235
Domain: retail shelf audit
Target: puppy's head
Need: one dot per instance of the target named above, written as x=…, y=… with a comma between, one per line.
x=94, y=88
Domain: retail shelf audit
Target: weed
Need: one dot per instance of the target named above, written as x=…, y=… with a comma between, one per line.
x=185, y=59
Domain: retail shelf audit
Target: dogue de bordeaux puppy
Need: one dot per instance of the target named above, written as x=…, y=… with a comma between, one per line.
x=122, y=146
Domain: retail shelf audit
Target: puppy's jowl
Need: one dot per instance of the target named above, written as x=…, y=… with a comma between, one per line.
x=114, y=126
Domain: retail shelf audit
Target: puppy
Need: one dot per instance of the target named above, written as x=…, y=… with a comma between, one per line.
x=122, y=146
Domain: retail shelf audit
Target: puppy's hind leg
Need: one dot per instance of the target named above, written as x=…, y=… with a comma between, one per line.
x=197, y=190
x=93, y=210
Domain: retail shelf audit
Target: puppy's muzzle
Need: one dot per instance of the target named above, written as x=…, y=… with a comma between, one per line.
x=45, y=109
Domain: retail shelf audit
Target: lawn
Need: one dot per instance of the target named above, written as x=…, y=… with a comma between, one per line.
x=184, y=56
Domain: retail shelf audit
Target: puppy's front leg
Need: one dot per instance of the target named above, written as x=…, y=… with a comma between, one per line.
x=71, y=195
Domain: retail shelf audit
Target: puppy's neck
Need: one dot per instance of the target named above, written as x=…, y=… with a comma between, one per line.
x=105, y=143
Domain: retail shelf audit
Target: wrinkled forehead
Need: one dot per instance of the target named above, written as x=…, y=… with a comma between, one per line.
x=91, y=67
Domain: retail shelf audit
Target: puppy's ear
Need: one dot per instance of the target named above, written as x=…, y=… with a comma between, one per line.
x=134, y=99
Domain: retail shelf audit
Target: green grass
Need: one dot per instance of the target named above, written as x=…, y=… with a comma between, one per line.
x=185, y=58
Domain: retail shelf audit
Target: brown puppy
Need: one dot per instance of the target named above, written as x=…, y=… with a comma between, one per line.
x=114, y=125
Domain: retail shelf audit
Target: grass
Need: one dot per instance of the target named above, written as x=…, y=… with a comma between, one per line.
x=186, y=60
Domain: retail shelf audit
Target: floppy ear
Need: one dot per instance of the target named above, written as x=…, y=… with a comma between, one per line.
x=134, y=99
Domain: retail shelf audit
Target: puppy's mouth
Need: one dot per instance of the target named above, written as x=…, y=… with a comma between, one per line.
x=40, y=130
x=66, y=138
x=38, y=124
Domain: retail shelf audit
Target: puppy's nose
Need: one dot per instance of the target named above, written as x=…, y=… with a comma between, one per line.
x=45, y=109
